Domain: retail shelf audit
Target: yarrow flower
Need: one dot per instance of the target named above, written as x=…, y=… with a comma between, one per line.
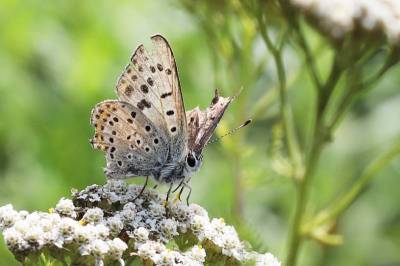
x=197, y=253
x=166, y=258
x=8, y=216
x=14, y=239
x=65, y=207
x=98, y=248
x=94, y=215
x=146, y=251
x=67, y=227
x=116, y=248
x=115, y=225
x=106, y=224
x=168, y=227
x=141, y=234
x=83, y=235
x=339, y=17
x=266, y=259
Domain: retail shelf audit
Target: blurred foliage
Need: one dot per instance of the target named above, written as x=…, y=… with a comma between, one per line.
x=59, y=58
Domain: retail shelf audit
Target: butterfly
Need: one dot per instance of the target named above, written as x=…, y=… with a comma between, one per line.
x=146, y=131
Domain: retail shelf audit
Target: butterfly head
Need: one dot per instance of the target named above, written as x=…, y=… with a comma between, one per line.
x=193, y=161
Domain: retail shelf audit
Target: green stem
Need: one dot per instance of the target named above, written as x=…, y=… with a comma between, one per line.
x=290, y=13
x=295, y=236
x=308, y=56
x=356, y=89
x=341, y=110
x=317, y=141
x=328, y=88
x=288, y=126
x=391, y=60
x=358, y=187
x=266, y=101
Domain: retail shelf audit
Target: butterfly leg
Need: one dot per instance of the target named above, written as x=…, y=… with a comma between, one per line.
x=178, y=196
x=180, y=184
x=168, y=193
x=189, y=194
x=166, y=199
x=185, y=185
x=143, y=188
x=180, y=193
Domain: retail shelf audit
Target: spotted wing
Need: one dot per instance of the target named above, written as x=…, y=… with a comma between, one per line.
x=133, y=144
x=201, y=124
x=150, y=82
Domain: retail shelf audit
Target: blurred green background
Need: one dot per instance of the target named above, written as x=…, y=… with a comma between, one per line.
x=59, y=58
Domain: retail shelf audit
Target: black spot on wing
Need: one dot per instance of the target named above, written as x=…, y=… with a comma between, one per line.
x=150, y=81
x=144, y=88
x=165, y=95
x=129, y=90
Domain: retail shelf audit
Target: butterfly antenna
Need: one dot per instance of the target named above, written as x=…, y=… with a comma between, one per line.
x=230, y=131
x=237, y=95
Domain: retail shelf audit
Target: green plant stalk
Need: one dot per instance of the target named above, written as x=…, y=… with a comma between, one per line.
x=271, y=94
x=355, y=90
x=295, y=236
x=358, y=187
x=307, y=54
x=269, y=97
x=318, y=139
x=293, y=147
x=291, y=15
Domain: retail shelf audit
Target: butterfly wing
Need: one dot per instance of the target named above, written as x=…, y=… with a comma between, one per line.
x=150, y=83
x=201, y=124
x=134, y=145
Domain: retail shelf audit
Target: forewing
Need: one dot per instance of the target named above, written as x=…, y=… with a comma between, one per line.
x=151, y=83
x=201, y=124
x=133, y=144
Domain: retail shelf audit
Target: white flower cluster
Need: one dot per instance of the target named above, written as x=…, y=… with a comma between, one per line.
x=338, y=17
x=108, y=223
x=158, y=254
x=219, y=234
x=26, y=233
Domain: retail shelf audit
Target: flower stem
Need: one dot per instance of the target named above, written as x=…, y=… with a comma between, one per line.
x=295, y=236
x=318, y=138
x=284, y=109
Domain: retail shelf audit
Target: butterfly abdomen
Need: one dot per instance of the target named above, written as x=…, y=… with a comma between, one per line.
x=170, y=173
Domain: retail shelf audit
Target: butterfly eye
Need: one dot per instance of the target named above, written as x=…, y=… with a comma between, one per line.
x=191, y=161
